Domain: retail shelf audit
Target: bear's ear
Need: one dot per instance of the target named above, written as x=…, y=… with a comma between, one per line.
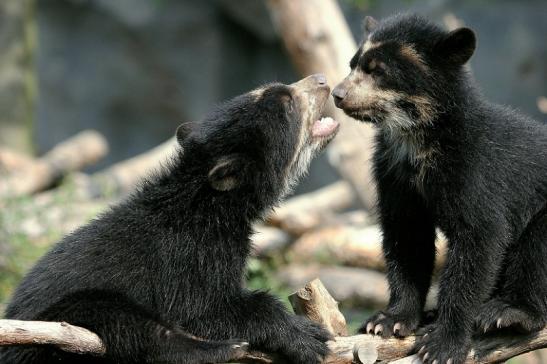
x=369, y=24
x=457, y=46
x=182, y=132
x=228, y=172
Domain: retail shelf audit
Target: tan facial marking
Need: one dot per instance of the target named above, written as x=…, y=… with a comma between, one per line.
x=364, y=92
x=370, y=45
x=411, y=54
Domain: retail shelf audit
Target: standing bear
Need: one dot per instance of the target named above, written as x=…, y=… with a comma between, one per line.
x=446, y=158
x=168, y=262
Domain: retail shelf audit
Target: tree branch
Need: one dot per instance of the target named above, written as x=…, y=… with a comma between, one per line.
x=60, y=334
x=315, y=302
x=75, y=153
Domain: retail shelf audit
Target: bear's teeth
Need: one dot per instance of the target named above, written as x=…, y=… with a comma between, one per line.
x=324, y=127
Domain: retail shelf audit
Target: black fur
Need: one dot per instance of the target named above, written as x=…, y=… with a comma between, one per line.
x=446, y=158
x=169, y=261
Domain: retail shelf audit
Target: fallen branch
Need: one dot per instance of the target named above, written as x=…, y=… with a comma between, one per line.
x=268, y=240
x=122, y=177
x=305, y=212
x=353, y=245
x=313, y=300
x=77, y=152
x=11, y=161
x=351, y=242
x=60, y=334
x=352, y=286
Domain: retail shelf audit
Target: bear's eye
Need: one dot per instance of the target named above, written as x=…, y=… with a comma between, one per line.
x=379, y=71
x=375, y=67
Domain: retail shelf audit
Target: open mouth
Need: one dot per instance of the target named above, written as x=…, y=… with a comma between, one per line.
x=325, y=127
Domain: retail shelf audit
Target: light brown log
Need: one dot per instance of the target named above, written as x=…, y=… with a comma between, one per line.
x=12, y=161
x=60, y=334
x=269, y=240
x=75, y=153
x=353, y=243
x=122, y=177
x=305, y=212
x=354, y=286
x=351, y=286
x=318, y=39
x=486, y=350
x=344, y=350
x=316, y=303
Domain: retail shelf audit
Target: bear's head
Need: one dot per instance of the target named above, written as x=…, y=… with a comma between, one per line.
x=406, y=72
x=261, y=141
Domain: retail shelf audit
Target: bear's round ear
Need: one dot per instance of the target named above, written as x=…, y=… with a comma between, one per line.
x=369, y=24
x=182, y=132
x=457, y=46
x=228, y=172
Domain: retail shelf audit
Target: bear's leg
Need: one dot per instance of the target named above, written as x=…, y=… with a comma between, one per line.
x=129, y=332
x=409, y=250
x=521, y=301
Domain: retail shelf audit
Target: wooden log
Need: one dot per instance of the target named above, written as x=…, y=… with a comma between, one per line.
x=12, y=161
x=268, y=240
x=352, y=243
x=365, y=349
x=305, y=212
x=60, y=334
x=316, y=303
x=318, y=39
x=81, y=150
x=122, y=177
x=486, y=350
x=351, y=286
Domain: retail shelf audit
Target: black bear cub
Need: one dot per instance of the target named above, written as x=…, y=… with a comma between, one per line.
x=446, y=158
x=168, y=263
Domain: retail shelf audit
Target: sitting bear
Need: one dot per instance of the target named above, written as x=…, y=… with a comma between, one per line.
x=168, y=262
x=446, y=158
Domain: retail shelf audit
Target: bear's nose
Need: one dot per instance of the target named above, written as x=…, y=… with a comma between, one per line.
x=320, y=79
x=339, y=93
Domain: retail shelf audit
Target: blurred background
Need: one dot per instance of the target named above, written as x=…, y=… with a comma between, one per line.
x=88, y=89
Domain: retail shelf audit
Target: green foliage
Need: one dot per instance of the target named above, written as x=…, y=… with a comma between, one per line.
x=18, y=251
x=30, y=225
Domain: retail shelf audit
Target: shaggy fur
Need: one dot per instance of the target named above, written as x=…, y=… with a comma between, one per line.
x=168, y=263
x=446, y=158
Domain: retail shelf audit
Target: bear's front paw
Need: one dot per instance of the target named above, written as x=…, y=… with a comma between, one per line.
x=308, y=344
x=438, y=346
x=388, y=324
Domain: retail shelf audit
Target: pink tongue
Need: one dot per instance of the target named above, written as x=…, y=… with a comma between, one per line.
x=324, y=127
